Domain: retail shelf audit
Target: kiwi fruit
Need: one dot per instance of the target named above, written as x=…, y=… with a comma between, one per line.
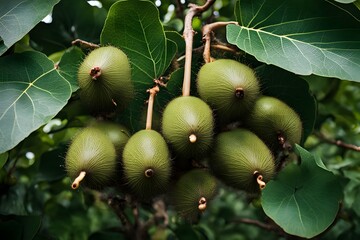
x=187, y=124
x=230, y=87
x=104, y=79
x=275, y=122
x=242, y=160
x=117, y=133
x=192, y=193
x=91, y=159
x=146, y=163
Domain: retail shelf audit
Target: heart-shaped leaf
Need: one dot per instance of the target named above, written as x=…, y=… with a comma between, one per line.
x=323, y=39
x=135, y=27
x=31, y=93
x=18, y=17
x=303, y=200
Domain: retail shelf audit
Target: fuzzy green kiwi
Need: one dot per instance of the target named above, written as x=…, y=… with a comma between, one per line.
x=187, y=124
x=117, y=133
x=91, y=159
x=104, y=79
x=275, y=122
x=230, y=87
x=146, y=163
x=242, y=160
x=192, y=193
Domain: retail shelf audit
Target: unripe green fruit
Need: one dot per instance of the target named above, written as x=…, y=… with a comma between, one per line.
x=239, y=158
x=91, y=152
x=187, y=124
x=275, y=122
x=117, y=133
x=105, y=80
x=146, y=162
x=192, y=192
x=230, y=87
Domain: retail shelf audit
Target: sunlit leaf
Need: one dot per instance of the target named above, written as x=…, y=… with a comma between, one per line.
x=31, y=93
x=18, y=17
x=303, y=200
x=304, y=37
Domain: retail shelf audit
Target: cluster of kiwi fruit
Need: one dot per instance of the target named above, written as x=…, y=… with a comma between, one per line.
x=230, y=133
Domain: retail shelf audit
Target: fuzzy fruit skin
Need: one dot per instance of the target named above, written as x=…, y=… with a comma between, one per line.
x=117, y=133
x=269, y=117
x=184, y=116
x=147, y=149
x=220, y=82
x=189, y=189
x=93, y=152
x=114, y=83
x=237, y=155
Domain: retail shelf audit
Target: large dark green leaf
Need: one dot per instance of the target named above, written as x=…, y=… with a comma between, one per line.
x=305, y=37
x=19, y=227
x=303, y=200
x=31, y=93
x=70, y=20
x=135, y=27
x=18, y=17
x=291, y=89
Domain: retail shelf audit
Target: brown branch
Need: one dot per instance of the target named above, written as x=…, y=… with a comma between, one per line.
x=207, y=31
x=84, y=44
x=338, y=143
x=265, y=226
x=153, y=91
x=188, y=35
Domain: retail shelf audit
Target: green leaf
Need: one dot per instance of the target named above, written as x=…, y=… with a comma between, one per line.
x=291, y=89
x=69, y=64
x=303, y=200
x=297, y=36
x=52, y=165
x=70, y=20
x=135, y=27
x=19, y=227
x=3, y=159
x=31, y=93
x=345, y=1
x=18, y=17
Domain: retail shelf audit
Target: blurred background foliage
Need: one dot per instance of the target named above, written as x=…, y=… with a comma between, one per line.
x=36, y=201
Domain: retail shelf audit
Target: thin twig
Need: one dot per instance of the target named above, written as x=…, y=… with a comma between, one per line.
x=188, y=35
x=84, y=44
x=338, y=143
x=207, y=31
x=153, y=91
x=265, y=226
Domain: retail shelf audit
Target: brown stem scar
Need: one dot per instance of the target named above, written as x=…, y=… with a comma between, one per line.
x=259, y=180
x=202, y=204
x=76, y=182
x=95, y=73
x=192, y=138
x=239, y=93
x=149, y=173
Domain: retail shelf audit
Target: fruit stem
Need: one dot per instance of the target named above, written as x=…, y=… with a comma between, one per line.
x=202, y=204
x=76, y=182
x=95, y=73
x=239, y=93
x=153, y=91
x=188, y=35
x=149, y=173
x=259, y=179
x=192, y=138
x=207, y=30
